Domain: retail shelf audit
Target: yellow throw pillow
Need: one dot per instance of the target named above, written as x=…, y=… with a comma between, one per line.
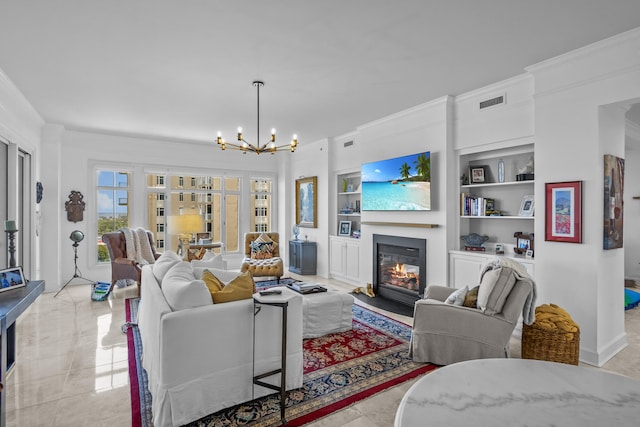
x=242, y=287
x=213, y=283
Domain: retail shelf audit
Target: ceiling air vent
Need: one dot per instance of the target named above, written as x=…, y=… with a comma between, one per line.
x=348, y=144
x=492, y=102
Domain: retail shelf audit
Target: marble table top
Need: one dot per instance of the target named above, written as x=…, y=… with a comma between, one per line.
x=520, y=392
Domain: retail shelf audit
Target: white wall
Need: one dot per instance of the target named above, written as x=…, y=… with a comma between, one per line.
x=312, y=159
x=577, y=121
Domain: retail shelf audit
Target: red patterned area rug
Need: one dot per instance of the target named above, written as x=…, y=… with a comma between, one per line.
x=339, y=370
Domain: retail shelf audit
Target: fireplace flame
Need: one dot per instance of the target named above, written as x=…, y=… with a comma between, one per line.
x=399, y=269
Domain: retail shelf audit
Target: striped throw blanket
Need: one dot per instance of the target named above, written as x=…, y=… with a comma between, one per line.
x=138, y=246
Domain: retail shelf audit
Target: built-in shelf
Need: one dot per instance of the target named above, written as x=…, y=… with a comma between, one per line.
x=401, y=224
x=496, y=217
x=498, y=184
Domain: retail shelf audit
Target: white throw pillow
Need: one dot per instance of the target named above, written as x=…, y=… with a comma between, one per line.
x=163, y=264
x=182, y=290
x=457, y=298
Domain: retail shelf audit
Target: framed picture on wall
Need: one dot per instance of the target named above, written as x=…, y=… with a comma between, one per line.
x=307, y=202
x=563, y=212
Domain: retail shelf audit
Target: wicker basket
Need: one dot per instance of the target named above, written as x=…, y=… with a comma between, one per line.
x=549, y=344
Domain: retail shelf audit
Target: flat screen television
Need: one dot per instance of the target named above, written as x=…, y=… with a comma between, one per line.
x=398, y=184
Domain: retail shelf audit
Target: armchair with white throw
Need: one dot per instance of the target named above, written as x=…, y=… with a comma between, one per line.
x=446, y=330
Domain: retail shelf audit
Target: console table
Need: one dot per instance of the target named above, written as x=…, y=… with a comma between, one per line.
x=302, y=257
x=520, y=392
x=12, y=304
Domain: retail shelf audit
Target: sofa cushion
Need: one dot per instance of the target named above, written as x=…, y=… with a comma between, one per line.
x=240, y=287
x=182, y=290
x=163, y=264
x=495, y=286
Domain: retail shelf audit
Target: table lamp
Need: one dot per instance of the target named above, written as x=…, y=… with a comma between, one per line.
x=184, y=226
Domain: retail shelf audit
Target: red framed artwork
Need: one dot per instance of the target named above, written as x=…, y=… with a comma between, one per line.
x=563, y=212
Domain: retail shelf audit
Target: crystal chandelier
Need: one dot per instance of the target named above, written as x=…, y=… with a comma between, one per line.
x=269, y=147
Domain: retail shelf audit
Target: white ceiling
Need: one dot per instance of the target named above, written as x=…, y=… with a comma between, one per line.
x=183, y=69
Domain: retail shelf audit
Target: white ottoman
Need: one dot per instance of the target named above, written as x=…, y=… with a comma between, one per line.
x=326, y=313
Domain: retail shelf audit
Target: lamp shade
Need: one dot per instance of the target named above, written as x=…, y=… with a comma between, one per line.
x=185, y=224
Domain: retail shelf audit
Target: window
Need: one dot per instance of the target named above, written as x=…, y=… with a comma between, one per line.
x=160, y=211
x=112, y=205
x=160, y=181
x=181, y=197
x=181, y=181
x=261, y=204
x=160, y=228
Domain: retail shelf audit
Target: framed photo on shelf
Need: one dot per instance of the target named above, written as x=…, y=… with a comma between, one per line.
x=11, y=278
x=527, y=206
x=345, y=228
x=478, y=174
x=307, y=202
x=563, y=212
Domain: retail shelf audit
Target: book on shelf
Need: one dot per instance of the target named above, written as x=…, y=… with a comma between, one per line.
x=475, y=248
x=471, y=205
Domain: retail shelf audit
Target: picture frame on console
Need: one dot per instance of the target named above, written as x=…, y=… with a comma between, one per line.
x=11, y=278
x=307, y=202
x=345, y=228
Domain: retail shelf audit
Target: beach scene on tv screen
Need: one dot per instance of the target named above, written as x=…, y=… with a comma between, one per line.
x=398, y=184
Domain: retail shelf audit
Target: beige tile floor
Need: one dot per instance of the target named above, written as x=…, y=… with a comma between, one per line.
x=72, y=370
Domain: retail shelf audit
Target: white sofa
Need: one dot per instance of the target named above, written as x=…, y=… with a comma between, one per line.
x=198, y=355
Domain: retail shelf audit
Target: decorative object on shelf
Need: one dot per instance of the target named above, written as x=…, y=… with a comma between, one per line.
x=499, y=249
x=355, y=234
x=350, y=188
x=344, y=185
x=76, y=237
x=474, y=242
x=563, y=212
x=307, y=202
x=39, y=190
x=500, y=170
x=75, y=206
x=11, y=229
x=11, y=278
x=464, y=179
x=357, y=206
x=613, y=203
x=479, y=174
x=525, y=173
x=524, y=242
x=269, y=147
x=345, y=228
x=296, y=231
x=527, y=206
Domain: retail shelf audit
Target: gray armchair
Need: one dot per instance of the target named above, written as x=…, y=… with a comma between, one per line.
x=445, y=333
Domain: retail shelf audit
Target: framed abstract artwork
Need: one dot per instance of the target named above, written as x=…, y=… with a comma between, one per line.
x=307, y=202
x=563, y=212
x=613, y=202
